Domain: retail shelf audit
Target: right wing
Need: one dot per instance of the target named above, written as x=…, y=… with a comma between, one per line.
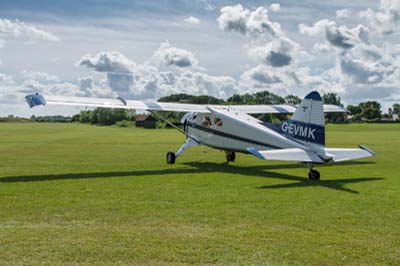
x=37, y=99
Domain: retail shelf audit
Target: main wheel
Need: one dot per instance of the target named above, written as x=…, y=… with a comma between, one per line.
x=171, y=157
x=313, y=174
x=230, y=156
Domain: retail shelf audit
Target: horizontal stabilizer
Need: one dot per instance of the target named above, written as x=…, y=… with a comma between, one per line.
x=292, y=154
x=340, y=155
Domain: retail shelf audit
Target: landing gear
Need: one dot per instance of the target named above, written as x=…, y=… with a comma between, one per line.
x=230, y=156
x=171, y=157
x=313, y=174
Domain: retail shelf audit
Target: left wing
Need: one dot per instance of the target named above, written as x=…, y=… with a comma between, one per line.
x=309, y=156
x=37, y=99
x=290, y=154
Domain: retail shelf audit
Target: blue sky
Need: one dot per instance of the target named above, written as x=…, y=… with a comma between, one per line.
x=147, y=49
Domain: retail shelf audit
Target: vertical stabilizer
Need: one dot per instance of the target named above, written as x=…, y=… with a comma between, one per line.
x=307, y=123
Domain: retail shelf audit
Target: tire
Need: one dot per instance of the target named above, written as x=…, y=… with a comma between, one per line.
x=230, y=156
x=171, y=157
x=314, y=174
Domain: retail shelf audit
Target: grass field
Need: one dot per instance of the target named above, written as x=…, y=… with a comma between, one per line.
x=76, y=195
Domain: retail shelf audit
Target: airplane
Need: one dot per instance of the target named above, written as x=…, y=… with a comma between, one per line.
x=232, y=128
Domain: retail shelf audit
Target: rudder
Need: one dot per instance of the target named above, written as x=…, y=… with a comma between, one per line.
x=307, y=123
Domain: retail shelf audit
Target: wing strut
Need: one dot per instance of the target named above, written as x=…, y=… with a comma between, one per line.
x=172, y=125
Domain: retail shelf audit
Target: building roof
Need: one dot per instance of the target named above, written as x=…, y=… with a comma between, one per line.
x=141, y=118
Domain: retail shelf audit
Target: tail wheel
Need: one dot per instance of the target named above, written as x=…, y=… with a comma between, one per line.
x=313, y=174
x=171, y=157
x=230, y=156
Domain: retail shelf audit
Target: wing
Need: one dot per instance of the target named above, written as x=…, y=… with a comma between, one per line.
x=308, y=156
x=37, y=99
x=291, y=154
x=282, y=109
x=340, y=155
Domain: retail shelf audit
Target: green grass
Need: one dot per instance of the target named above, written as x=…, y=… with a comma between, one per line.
x=75, y=194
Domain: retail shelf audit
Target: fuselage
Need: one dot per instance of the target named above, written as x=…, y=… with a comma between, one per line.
x=229, y=129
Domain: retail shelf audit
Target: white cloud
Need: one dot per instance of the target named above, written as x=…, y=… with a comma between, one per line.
x=385, y=20
x=242, y=20
x=110, y=62
x=170, y=70
x=338, y=36
x=40, y=76
x=277, y=53
x=19, y=30
x=344, y=13
x=192, y=20
x=6, y=80
x=167, y=55
x=322, y=48
x=275, y=7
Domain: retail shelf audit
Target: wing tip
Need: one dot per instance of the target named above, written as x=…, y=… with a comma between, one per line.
x=365, y=148
x=35, y=100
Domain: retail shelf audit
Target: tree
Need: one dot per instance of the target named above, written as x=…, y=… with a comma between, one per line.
x=85, y=116
x=396, y=109
x=262, y=97
x=371, y=110
x=186, y=98
x=292, y=99
x=354, y=109
x=333, y=98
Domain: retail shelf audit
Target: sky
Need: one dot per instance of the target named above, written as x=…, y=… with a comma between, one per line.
x=147, y=49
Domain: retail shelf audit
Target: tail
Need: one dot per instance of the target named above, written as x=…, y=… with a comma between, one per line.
x=307, y=124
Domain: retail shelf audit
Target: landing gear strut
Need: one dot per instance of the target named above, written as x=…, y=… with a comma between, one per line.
x=230, y=156
x=171, y=157
x=313, y=174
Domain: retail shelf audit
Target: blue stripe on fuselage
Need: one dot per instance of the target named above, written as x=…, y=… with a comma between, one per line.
x=230, y=136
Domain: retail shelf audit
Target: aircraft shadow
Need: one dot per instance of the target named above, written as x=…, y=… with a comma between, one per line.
x=206, y=167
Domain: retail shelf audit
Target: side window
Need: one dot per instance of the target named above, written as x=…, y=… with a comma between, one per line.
x=218, y=122
x=206, y=122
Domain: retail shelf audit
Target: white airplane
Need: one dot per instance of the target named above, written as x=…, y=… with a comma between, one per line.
x=232, y=129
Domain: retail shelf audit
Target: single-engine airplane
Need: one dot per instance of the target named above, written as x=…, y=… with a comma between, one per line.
x=232, y=128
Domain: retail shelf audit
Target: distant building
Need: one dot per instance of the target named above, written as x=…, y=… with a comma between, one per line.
x=145, y=121
x=395, y=117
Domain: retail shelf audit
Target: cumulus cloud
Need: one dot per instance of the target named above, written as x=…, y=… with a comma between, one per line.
x=338, y=36
x=367, y=64
x=19, y=30
x=386, y=19
x=276, y=53
x=192, y=20
x=167, y=55
x=275, y=7
x=107, y=62
x=170, y=70
x=6, y=80
x=42, y=77
x=119, y=69
x=260, y=76
x=322, y=48
x=344, y=13
x=239, y=19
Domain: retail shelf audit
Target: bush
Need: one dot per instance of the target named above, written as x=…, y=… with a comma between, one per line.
x=125, y=123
